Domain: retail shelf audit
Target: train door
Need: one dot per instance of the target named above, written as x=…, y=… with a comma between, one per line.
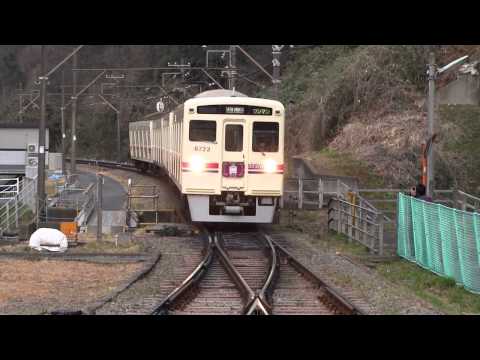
x=233, y=155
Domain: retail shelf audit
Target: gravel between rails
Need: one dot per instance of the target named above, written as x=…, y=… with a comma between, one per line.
x=180, y=255
x=360, y=285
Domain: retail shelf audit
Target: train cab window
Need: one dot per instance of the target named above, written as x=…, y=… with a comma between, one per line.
x=234, y=138
x=265, y=137
x=203, y=131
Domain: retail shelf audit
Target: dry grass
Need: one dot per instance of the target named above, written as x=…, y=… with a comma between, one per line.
x=56, y=284
x=391, y=144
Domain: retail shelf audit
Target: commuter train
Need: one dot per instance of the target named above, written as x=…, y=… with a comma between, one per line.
x=223, y=150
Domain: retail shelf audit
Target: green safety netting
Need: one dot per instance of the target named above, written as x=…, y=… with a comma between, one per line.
x=441, y=239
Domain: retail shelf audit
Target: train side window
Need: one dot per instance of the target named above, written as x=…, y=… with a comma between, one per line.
x=234, y=138
x=203, y=131
x=265, y=137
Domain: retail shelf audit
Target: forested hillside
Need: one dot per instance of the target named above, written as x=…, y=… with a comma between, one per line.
x=369, y=102
x=363, y=100
x=20, y=67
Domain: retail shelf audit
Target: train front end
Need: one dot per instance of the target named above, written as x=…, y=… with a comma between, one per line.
x=233, y=158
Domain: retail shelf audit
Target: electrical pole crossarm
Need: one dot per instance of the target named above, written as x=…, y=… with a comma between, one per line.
x=29, y=104
x=255, y=62
x=213, y=79
x=75, y=96
x=64, y=61
x=167, y=94
x=109, y=104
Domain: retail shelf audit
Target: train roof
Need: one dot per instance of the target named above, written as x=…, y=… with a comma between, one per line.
x=220, y=93
x=228, y=97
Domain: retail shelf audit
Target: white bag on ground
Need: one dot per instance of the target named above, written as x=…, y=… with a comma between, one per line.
x=48, y=239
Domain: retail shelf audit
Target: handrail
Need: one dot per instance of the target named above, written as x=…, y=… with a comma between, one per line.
x=468, y=195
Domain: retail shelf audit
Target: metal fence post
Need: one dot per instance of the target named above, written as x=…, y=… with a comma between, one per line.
x=300, y=193
x=129, y=195
x=380, y=233
x=339, y=216
x=365, y=230
x=99, y=207
x=464, y=202
x=338, y=188
x=320, y=193
x=16, y=210
x=350, y=223
x=329, y=217
x=37, y=218
x=357, y=223
x=8, y=216
x=456, y=199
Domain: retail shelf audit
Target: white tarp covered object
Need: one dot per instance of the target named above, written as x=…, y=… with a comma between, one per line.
x=48, y=239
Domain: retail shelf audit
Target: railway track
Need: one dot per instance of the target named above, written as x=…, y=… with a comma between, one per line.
x=239, y=273
x=250, y=273
x=107, y=164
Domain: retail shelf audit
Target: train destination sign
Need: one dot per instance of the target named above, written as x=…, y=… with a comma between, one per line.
x=234, y=110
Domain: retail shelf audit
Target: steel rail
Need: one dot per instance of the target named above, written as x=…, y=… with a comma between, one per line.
x=193, y=279
x=248, y=294
x=335, y=297
x=266, y=293
x=107, y=164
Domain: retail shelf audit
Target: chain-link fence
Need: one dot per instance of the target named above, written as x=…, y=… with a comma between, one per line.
x=441, y=239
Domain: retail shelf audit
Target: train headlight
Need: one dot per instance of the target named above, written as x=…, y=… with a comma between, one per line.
x=197, y=164
x=270, y=166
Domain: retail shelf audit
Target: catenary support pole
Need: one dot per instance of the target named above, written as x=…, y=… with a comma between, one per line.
x=119, y=147
x=99, y=206
x=431, y=124
x=276, y=51
x=233, y=66
x=62, y=113
x=41, y=139
x=73, y=160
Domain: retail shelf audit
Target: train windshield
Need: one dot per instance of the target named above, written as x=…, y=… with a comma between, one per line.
x=265, y=137
x=234, y=138
x=203, y=131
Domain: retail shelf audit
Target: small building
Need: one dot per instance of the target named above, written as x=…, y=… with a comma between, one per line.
x=19, y=148
x=465, y=89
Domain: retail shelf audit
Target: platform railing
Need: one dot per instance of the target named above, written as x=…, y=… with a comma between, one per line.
x=360, y=223
x=9, y=188
x=15, y=208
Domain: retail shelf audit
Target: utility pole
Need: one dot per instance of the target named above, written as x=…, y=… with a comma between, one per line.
x=73, y=160
x=117, y=112
x=41, y=139
x=432, y=75
x=182, y=65
x=21, y=103
x=117, y=119
x=99, y=206
x=62, y=113
x=233, y=66
x=276, y=52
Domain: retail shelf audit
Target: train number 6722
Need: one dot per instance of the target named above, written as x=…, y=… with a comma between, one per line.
x=202, y=148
